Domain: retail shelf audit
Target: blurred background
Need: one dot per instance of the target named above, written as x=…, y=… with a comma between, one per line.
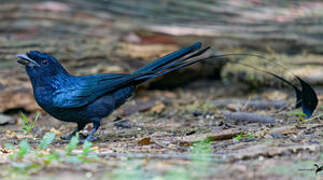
x=113, y=36
x=119, y=36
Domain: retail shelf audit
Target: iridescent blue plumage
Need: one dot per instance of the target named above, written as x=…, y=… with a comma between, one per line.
x=87, y=99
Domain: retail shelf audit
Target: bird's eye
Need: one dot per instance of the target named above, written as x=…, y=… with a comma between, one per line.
x=45, y=62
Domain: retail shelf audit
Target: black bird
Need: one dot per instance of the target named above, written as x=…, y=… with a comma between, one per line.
x=87, y=99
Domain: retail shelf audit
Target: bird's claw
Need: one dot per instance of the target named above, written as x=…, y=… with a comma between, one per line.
x=69, y=137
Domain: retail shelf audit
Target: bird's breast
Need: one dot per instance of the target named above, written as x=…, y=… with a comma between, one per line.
x=43, y=96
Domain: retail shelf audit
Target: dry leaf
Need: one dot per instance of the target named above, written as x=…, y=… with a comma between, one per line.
x=185, y=143
x=56, y=131
x=145, y=141
x=158, y=108
x=10, y=134
x=225, y=134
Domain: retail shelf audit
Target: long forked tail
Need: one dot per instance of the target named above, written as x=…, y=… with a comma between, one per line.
x=169, y=58
x=173, y=61
x=306, y=97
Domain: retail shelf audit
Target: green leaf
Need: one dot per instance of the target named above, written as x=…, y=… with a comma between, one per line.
x=73, y=159
x=24, y=148
x=25, y=122
x=87, y=147
x=47, y=140
x=72, y=144
x=47, y=159
x=250, y=136
x=244, y=136
x=93, y=156
x=9, y=146
x=35, y=120
x=201, y=147
x=299, y=114
x=24, y=118
x=37, y=116
x=238, y=138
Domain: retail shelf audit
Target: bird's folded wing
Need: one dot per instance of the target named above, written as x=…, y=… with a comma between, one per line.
x=85, y=89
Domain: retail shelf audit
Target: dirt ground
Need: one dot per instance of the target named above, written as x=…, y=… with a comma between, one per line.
x=155, y=136
x=208, y=121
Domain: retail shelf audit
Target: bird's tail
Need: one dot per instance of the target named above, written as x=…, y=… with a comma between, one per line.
x=173, y=61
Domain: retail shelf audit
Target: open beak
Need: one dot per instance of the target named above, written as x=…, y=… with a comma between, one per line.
x=25, y=60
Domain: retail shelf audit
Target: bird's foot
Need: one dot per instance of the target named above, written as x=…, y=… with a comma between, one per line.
x=69, y=137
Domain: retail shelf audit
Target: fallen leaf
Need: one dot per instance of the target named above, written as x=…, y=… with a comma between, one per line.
x=225, y=134
x=232, y=107
x=3, y=150
x=185, y=143
x=10, y=134
x=145, y=141
x=158, y=108
x=56, y=131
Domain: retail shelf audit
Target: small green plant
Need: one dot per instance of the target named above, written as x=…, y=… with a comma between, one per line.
x=85, y=156
x=201, y=147
x=201, y=158
x=72, y=144
x=47, y=140
x=87, y=150
x=44, y=143
x=9, y=146
x=51, y=157
x=244, y=136
x=28, y=125
x=301, y=116
x=42, y=158
x=23, y=149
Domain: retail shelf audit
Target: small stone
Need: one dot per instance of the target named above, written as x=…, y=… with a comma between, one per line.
x=123, y=124
x=88, y=174
x=6, y=120
x=132, y=38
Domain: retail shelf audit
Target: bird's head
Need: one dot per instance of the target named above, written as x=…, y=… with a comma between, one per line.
x=40, y=64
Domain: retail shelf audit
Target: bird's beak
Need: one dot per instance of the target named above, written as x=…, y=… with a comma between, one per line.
x=25, y=60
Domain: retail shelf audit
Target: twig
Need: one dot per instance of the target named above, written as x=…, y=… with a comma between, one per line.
x=216, y=157
x=253, y=104
x=249, y=117
x=167, y=147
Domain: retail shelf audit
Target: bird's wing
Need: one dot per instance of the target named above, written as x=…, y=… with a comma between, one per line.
x=83, y=90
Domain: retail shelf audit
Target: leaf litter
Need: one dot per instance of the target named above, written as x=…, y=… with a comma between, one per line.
x=166, y=135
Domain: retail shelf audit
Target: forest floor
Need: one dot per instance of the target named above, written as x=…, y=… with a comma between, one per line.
x=182, y=134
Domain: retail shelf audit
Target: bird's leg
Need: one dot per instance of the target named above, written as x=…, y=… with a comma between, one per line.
x=80, y=126
x=96, y=125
